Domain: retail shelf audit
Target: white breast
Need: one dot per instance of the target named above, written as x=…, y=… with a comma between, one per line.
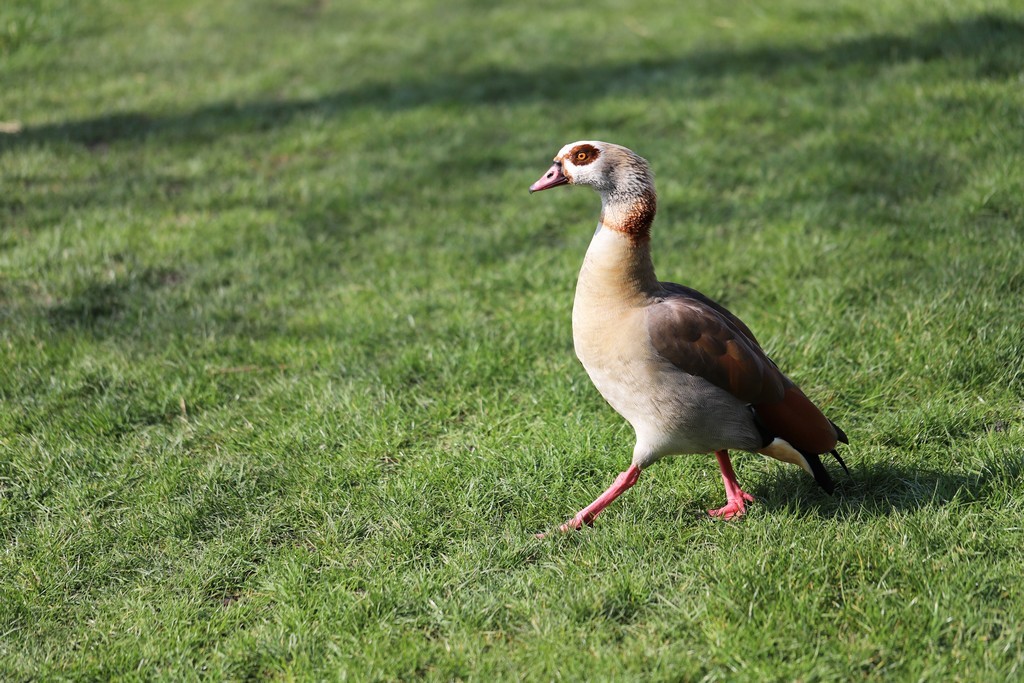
x=671, y=411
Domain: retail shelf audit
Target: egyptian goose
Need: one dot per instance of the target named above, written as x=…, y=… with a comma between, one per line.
x=686, y=373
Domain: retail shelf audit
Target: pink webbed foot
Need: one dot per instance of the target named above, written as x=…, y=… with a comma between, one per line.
x=574, y=524
x=734, y=508
x=737, y=497
x=587, y=514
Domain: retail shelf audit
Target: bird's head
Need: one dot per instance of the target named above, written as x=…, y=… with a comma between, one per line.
x=612, y=170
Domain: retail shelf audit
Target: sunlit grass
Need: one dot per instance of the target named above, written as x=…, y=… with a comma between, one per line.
x=286, y=371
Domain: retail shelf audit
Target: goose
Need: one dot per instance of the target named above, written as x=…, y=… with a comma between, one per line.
x=688, y=375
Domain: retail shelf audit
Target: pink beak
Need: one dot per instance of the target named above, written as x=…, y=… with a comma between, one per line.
x=553, y=178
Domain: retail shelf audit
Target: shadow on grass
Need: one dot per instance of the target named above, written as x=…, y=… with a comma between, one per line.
x=95, y=302
x=989, y=44
x=145, y=303
x=879, y=489
x=991, y=40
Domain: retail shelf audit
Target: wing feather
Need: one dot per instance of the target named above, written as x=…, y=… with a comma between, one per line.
x=702, y=338
x=705, y=341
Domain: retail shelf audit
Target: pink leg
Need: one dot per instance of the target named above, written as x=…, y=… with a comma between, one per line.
x=737, y=497
x=587, y=514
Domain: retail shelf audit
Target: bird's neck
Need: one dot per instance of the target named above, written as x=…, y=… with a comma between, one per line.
x=630, y=213
x=618, y=264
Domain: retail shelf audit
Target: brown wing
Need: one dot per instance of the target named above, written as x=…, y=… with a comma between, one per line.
x=673, y=289
x=798, y=421
x=702, y=338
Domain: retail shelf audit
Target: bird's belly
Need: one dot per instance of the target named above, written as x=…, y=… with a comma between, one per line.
x=671, y=411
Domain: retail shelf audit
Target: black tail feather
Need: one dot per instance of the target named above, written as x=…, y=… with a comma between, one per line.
x=835, y=454
x=820, y=473
x=840, y=434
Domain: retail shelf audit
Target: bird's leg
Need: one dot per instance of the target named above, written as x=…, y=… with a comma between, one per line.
x=587, y=514
x=737, y=497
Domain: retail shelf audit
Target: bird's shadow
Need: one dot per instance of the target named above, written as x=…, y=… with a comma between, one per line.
x=883, y=489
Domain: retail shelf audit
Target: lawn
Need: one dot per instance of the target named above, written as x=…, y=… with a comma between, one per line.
x=286, y=372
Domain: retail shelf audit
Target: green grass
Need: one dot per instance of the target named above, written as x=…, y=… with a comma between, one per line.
x=286, y=370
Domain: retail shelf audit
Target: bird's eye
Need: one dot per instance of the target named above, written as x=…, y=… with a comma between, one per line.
x=580, y=156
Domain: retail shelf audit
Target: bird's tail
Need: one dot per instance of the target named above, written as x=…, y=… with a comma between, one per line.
x=840, y=434
x=819, y=472
x=780, y=449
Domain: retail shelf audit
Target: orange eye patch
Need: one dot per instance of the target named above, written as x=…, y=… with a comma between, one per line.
x=584, y=154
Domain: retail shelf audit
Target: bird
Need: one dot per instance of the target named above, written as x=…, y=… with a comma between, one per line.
x=687, y=374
